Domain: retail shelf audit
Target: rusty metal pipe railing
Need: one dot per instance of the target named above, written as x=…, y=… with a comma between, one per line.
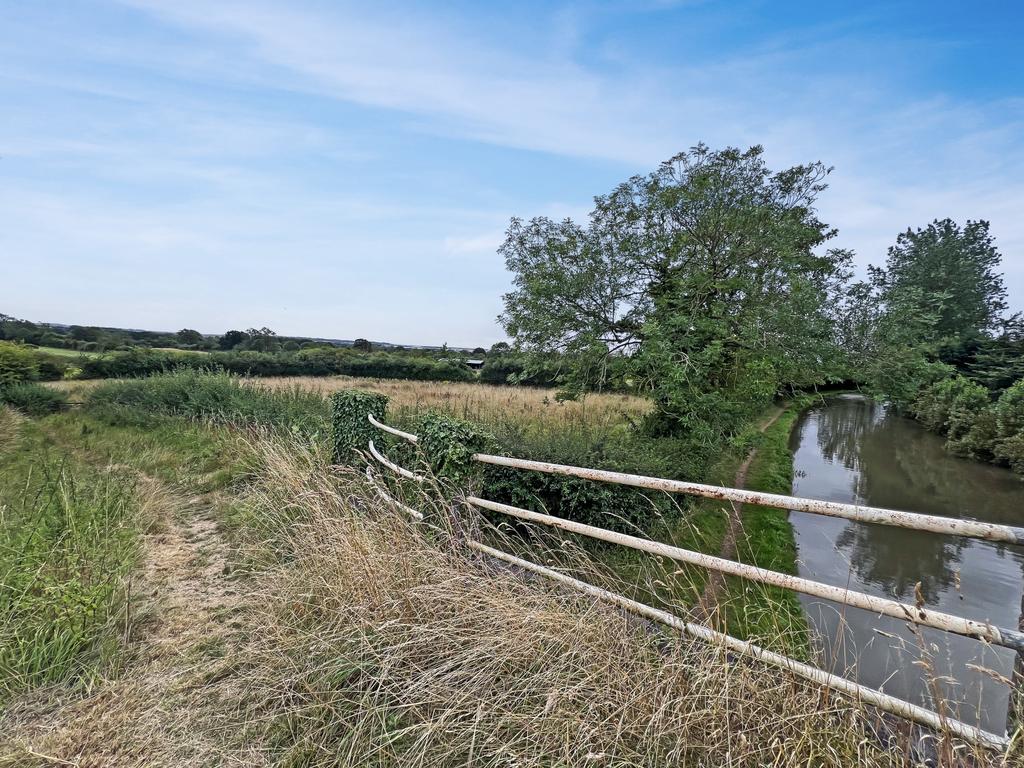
x=975, y=529
x=392, y=466
x=813, y=674
x=933, y=523
x=1008, y=638
x=393, y=430
x=413, y=513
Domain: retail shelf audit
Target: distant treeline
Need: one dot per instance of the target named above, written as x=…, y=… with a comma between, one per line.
x=23, y=362
x=90, y=338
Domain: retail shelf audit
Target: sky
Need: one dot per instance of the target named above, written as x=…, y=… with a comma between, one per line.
x=339, y=170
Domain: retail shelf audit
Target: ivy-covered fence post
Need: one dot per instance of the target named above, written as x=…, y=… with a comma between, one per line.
x=350, y=429
x=448, y=445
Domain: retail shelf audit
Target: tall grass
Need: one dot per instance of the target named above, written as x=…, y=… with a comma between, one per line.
x=483, y=403
x=68, y=541
x=207, y=396
x=382, y=643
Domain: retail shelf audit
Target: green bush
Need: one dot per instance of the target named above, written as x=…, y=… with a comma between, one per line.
x=33, y=399
x=1009, y=411
x=350, y=428
x=949, y=405
x=979, y=440
x=17, y=364
x=1009, y=423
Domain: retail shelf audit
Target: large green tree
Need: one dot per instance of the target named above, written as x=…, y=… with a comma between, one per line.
x=948, y=273
x=709, y=273
x=939, y=303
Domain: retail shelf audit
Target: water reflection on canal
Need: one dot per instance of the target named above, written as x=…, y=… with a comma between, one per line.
x=851, y=449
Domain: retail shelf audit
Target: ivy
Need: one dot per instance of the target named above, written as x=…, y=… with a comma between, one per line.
x=349, y=426
x=448, y=445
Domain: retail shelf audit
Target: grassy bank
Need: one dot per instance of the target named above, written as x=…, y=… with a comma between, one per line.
x=431, y=656
x=768, y=542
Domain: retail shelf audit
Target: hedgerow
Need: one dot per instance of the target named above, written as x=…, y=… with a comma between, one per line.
x=306, y=362
x=448, y=445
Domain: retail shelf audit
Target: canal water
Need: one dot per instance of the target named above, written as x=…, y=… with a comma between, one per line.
x=852, y=449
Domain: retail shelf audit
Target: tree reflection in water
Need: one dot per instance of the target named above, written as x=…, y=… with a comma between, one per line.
x=895, y=463
x=852, y=450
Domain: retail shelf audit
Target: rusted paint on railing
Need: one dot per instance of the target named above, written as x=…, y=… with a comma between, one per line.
x=917, y=614
x=392, y=466
x=933, y=523
x=393, y=430
x=413, y=513
x=861, y=693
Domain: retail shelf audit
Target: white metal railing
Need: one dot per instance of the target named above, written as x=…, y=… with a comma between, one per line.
x=415, y=514
x=808, y=672
x=1009, y=638
x=918, y=615
x=392, y=466
x=396, y=432
x=864, y=514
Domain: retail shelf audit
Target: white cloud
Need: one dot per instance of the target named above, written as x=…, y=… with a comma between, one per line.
x=901, y=159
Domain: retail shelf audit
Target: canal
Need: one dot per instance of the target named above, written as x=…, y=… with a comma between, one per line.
x=851, y=449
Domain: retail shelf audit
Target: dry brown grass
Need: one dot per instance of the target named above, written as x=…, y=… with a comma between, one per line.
x=479, y=402
x=360, y=639
x=10, y=425
x=389, y=644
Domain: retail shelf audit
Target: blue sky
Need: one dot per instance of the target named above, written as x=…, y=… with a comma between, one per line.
x=339, y=170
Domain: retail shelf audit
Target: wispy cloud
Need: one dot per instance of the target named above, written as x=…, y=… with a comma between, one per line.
x=276, y=149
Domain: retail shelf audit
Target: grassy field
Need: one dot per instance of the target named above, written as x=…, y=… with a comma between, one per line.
x=61, y=352
x=284, y=616
x=482, y=403
x=68, y=542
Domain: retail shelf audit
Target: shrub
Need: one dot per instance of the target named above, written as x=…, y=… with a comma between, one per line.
x=935, y=404
x=1011, y=450
x=978, y=442
x=17, y=364
x=1009, y=411
x=448, y=445
x=350, y=429
x=1009, y=424
x=967, y=405
x=33, y=399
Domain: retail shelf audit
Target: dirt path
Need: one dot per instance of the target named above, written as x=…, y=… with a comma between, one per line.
x=710, y=597
x=158, y=711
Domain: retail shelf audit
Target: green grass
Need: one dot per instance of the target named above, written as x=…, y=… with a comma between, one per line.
x=768, y=542
x=68, y=541
x=61, y=352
